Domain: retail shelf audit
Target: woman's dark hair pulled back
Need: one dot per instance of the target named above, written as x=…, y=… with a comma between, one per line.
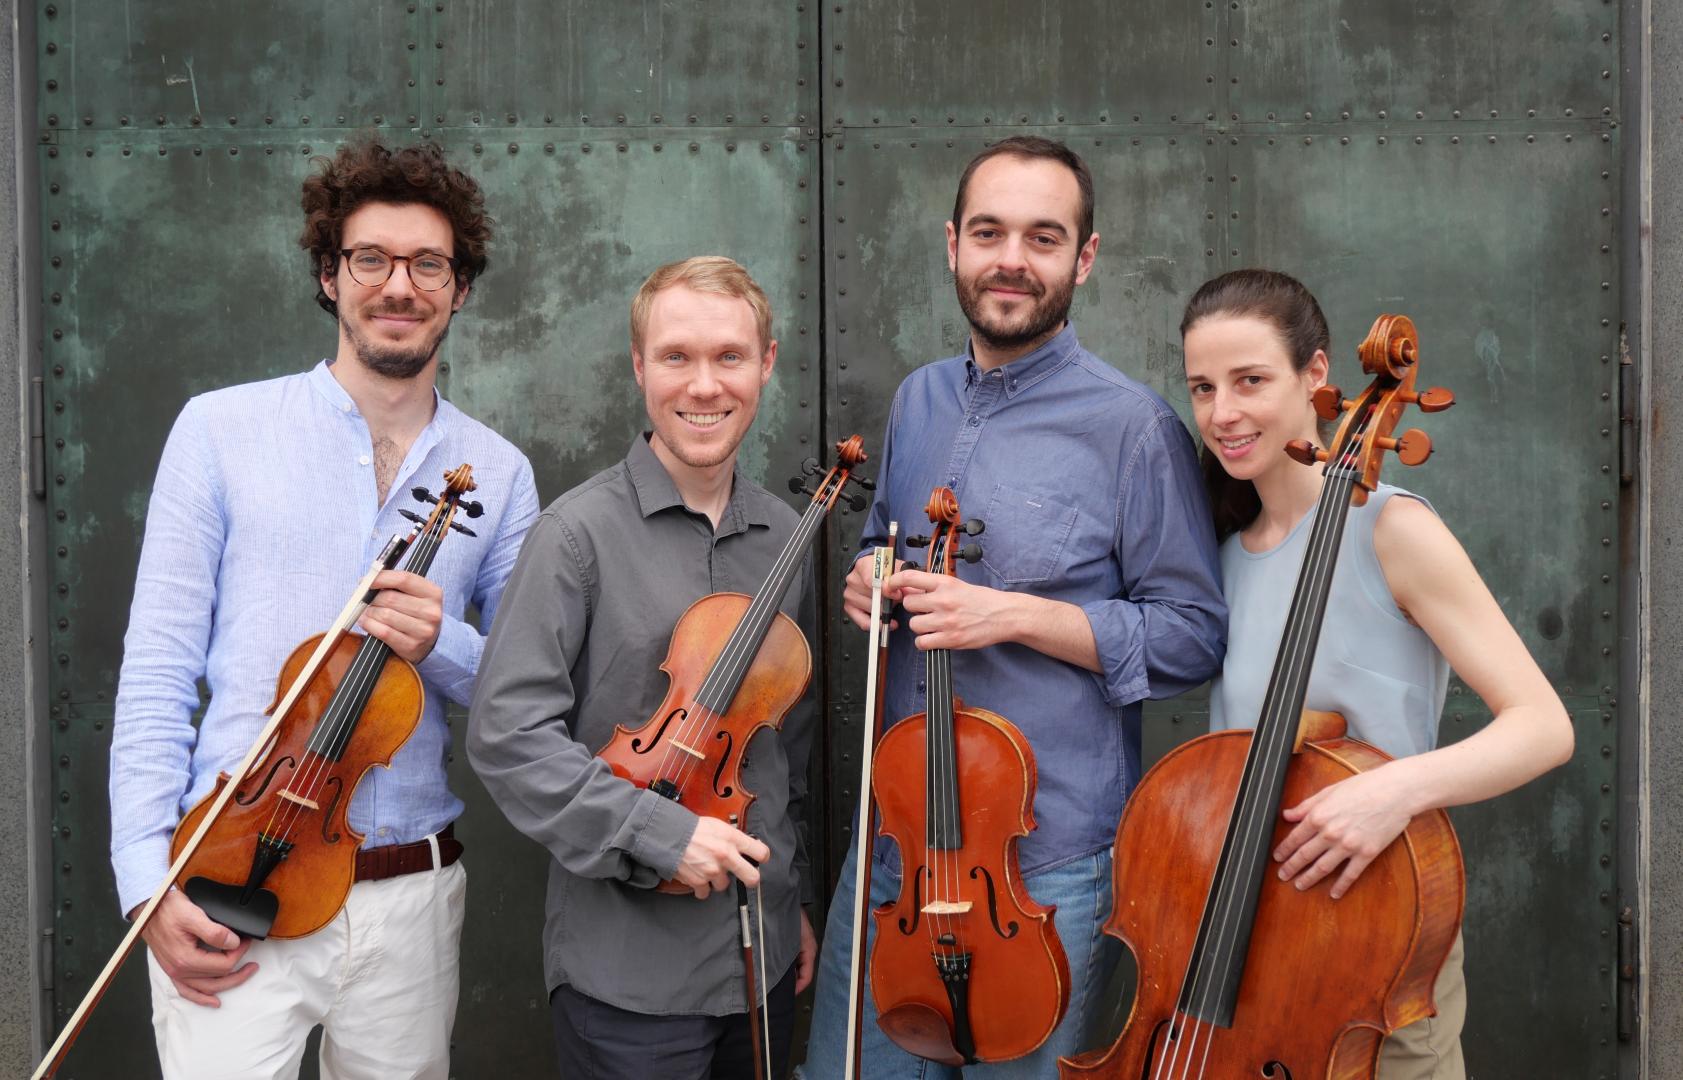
x=1284, y=303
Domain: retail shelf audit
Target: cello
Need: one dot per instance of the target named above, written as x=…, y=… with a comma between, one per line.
x=736, y=664
x=276, y=865
x=966, y=966
x=1240, y=973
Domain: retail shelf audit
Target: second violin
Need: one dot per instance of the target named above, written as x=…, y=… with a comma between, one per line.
x=966, y=966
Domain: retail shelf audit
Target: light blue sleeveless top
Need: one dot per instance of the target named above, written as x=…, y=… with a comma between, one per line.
x=1373, y=666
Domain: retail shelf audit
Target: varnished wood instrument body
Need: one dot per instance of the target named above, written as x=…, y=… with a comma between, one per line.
x=1325, y=979
x=315, y=877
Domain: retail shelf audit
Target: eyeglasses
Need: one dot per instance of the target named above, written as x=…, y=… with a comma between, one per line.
x=372, y=267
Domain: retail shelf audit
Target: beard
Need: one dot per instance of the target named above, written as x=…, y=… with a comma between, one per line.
x=1047, y=309
x=391, y=361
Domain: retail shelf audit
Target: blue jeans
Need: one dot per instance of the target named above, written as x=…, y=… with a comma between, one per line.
x=1081, y=891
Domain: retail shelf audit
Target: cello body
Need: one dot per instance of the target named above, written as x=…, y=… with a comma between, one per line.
x=1010, y=932
x=314, y=878
x=1372, y=954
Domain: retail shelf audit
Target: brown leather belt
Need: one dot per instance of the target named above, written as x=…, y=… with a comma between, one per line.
x=393, y=860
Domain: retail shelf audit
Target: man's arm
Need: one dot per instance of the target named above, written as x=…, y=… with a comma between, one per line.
x=164, y=652
x=1167, y=632
x=454, y=659
x=1164, y=634
x=152, y=732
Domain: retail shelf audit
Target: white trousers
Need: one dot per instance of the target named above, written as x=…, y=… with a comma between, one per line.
x=381, y=979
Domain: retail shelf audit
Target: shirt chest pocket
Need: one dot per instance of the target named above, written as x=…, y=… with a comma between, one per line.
x=1026, y=535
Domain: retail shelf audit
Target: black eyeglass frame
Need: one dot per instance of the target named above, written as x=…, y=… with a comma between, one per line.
x=454, y=264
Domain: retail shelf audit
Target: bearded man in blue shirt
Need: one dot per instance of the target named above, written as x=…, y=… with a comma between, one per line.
x=1098, y=587
x=271, y=501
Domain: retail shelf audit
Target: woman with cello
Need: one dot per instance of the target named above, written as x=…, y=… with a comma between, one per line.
x=1406, y=604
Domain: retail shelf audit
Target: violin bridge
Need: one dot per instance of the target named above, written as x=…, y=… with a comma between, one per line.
x=291, y=797
x=947, y=907
x=690, y=750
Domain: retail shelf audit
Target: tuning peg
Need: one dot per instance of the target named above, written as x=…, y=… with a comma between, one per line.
x=809, y=466
x=1413, y=446
x=421, y=494
x=1436, y=399
x=412, y=516
x=857, y=501
x=973, y=527
x=970, y=553
x=1305, y=452
x=797, y=484
x=463, y=529
x=917, y=541
x=471, y=509
x=868, y=485
x=1329, y=402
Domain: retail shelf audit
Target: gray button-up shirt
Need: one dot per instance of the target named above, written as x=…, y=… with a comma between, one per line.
x=576, y=649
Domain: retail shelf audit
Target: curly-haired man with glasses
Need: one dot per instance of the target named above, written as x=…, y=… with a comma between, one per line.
x=234, y=574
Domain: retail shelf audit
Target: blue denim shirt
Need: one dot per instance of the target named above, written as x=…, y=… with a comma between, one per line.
x=1089, y=489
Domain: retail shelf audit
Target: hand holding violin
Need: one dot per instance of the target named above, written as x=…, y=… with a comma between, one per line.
x=406, y=614
x=201, y=957
x=1348, y=824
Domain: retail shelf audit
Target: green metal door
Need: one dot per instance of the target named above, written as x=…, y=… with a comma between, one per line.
x=1397, y=158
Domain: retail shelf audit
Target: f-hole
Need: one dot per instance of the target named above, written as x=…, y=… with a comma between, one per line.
x=720, y=788
x=1275, y=1070
x=247, y=800
x=637, y=744
x=917, y=902
x=1009, y=930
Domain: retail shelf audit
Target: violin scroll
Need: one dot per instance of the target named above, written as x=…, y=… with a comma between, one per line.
x=850, y=454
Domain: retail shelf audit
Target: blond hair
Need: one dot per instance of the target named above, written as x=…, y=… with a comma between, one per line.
x=703, y=273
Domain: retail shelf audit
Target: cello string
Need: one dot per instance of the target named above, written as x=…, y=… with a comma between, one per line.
x=1266, y=757
x=738, y=652
x=1263, y=763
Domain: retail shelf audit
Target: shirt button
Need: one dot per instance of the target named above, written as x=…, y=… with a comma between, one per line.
x=920, y=688
x=974, y=420
x=382, y=831
x=363, y=460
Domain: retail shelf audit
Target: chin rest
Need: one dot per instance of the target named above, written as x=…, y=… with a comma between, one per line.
x=921, y=1031
x=226, y=904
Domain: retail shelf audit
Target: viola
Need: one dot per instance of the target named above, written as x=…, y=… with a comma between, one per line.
x=736, y=664
x=277, y=864
x=966, y=966
x=1240, y=973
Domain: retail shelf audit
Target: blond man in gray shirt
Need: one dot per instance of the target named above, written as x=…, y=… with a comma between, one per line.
x=641, y=980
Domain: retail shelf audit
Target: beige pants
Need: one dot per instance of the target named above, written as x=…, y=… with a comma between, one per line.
x=381, y=979
x=1430, y=1049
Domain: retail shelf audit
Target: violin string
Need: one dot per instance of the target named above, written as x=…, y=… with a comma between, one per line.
x=739, y=651
x=1266, y=757
x=341, y=718
x=312, y=764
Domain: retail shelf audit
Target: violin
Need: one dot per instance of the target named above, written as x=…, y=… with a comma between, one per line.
x=1240, y=973
x=281, y=859
x=966, y=966
x=271, y=855
x=736, y=664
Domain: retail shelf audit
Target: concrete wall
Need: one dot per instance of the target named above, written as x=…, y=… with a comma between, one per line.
x=20, y=874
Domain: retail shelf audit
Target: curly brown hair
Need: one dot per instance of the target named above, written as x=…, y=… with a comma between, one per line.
x=368, y=172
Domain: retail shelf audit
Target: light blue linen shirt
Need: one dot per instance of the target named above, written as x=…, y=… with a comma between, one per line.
x=263, y=517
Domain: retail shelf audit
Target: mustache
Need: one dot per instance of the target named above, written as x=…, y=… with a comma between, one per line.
x=389, y=307
x=1013, y=281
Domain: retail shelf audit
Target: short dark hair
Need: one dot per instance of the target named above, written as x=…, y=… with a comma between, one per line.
x=1034, y=147
x=1287, y=305
x=366, y=171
